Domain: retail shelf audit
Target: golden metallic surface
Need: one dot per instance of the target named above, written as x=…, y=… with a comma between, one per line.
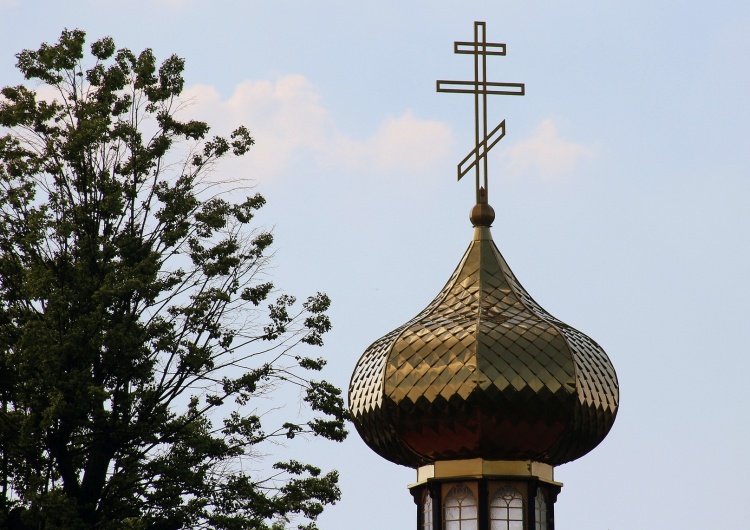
x=480, y=88
x=483, y=372
x=478, y=467
x=482, y=214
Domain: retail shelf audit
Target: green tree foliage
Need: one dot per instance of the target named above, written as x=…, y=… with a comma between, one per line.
x=137, y=329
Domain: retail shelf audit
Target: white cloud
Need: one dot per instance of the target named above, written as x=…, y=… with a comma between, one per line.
x=284, y=117
x=4, y=4
x=545, y=153
x=288, y=121
x=404, y=142
x=289, y=124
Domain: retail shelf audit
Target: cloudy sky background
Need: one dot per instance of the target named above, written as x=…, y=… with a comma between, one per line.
x=621, y=190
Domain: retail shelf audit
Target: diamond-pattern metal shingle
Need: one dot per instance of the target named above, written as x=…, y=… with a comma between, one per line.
x=483, y=372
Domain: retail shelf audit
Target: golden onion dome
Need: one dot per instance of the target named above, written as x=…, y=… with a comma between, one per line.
x=483, y=372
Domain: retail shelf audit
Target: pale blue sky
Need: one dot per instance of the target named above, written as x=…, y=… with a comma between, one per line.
x=621, y=190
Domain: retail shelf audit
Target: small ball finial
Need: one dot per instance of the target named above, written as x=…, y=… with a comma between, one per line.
x=482, y=214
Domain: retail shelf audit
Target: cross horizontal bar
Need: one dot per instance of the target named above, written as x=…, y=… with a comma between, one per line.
x=475, y=152
x=520, y=88
x=474, y=48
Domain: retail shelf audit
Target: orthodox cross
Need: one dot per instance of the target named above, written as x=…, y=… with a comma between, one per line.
x=480, y=49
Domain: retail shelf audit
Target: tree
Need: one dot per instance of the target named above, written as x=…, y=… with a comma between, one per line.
x=134, y=345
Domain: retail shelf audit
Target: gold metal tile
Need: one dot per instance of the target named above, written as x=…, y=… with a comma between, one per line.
x=483, y=372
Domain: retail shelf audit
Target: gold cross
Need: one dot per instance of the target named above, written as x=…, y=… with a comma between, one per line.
x=484, y=142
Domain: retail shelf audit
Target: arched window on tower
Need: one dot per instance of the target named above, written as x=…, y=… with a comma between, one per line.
x=540, y=511
x=460, y=509
x=506, y=509
x=427, y=511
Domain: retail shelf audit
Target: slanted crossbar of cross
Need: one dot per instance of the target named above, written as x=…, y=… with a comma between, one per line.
x=480, y=87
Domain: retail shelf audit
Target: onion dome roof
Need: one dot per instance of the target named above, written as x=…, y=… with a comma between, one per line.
x=483, y=372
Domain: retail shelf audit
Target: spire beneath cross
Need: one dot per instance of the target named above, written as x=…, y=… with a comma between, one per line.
x=480, y=49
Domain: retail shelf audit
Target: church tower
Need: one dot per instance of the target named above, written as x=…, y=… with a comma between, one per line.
x=483, y=392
